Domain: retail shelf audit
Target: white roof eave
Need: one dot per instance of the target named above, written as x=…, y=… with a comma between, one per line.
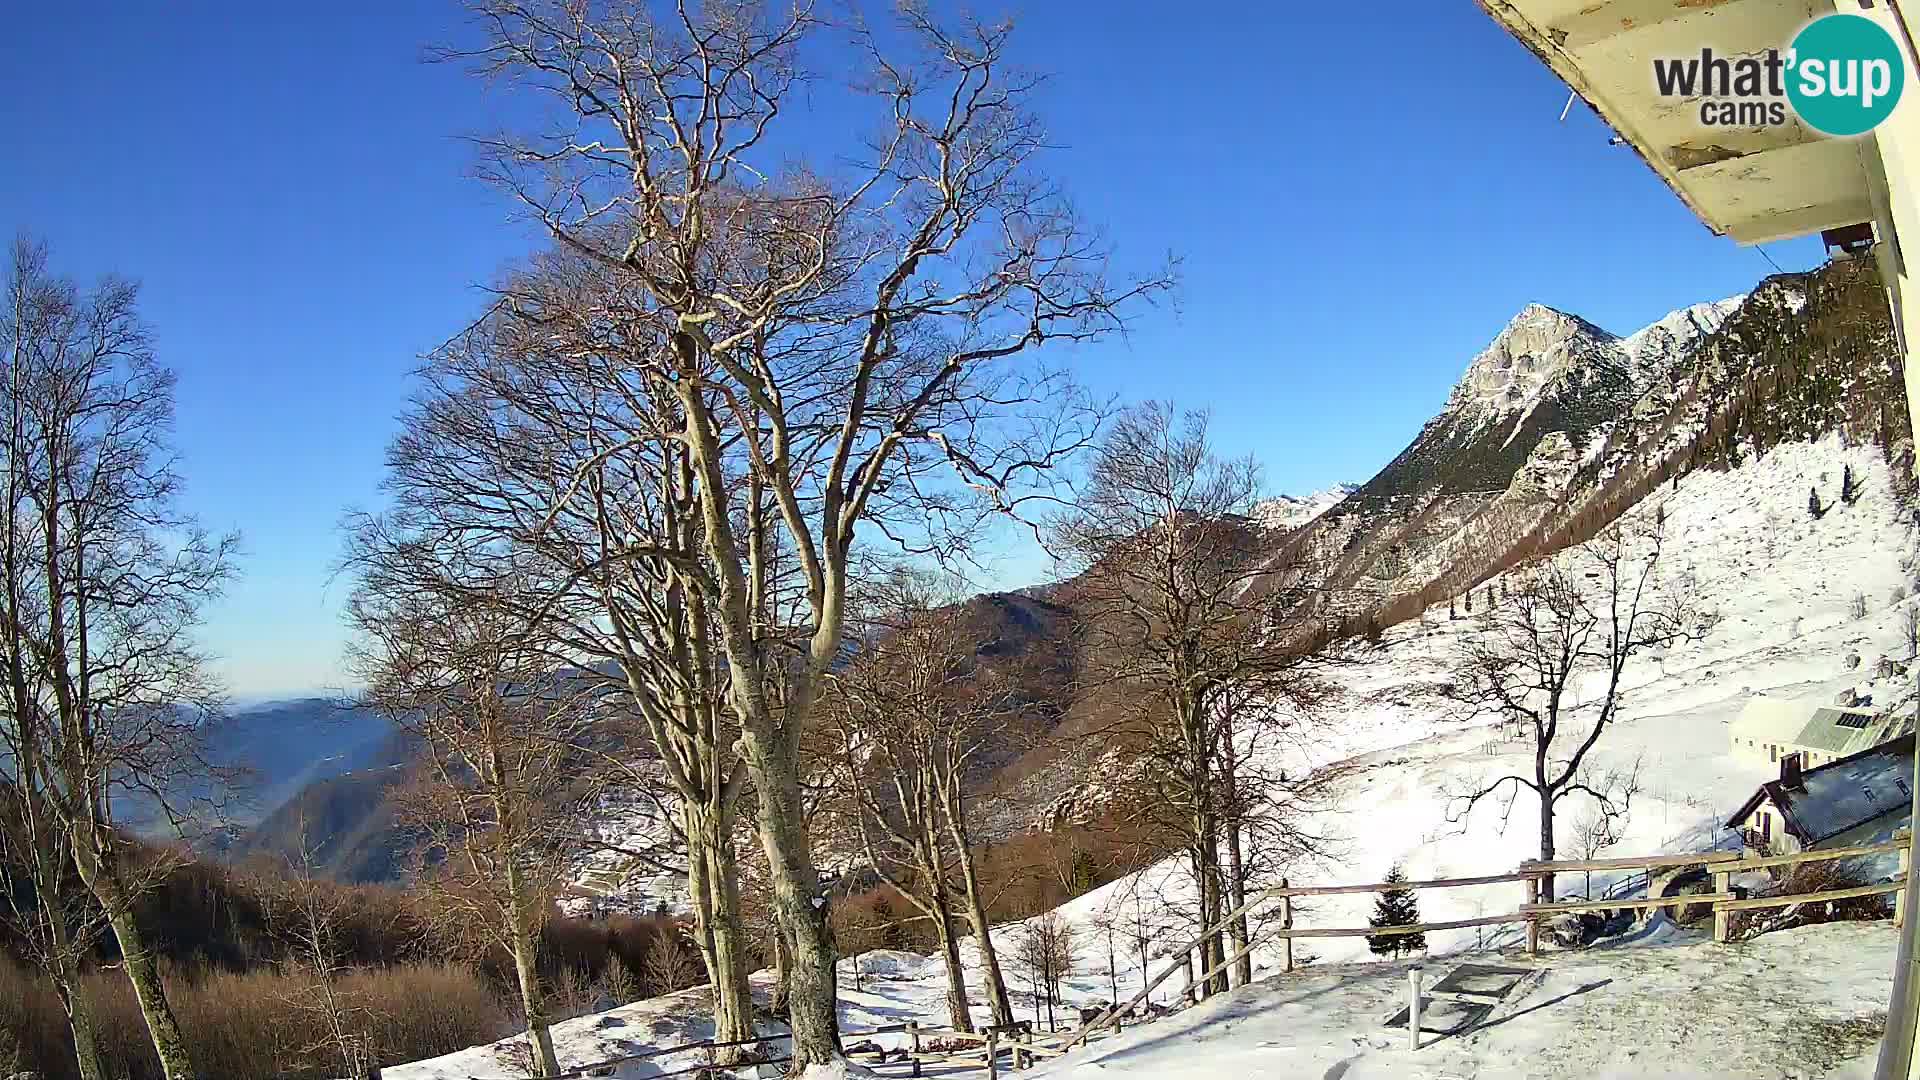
x=1751, y=184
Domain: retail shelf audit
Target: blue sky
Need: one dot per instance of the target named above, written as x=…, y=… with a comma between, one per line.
x=1361, y=194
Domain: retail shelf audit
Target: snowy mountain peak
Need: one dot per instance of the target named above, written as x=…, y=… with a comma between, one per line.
x=1654, y=349
x=1536, y=347
x=1540, y=345
x=1293, y=511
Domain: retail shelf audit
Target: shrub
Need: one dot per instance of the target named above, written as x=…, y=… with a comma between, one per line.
x=241, y=1025
x=1859, y=606
x=1815, y=877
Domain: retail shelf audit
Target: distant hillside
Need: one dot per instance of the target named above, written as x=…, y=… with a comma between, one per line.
x=345, y=826
x=285, y=745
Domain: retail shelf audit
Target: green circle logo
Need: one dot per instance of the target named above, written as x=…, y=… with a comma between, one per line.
x=1845, y=74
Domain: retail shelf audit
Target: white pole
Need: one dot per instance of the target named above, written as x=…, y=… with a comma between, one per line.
x=1413, y=1007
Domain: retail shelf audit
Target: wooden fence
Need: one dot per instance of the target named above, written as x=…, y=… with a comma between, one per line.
x=1022, y=1047
x=1532, y=913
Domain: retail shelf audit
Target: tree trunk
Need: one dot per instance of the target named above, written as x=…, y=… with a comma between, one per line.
x=782, y=964
x=932, y=859
x=86, y=1048
x=798, y=901
x=143, y=971
x=1237, y=897
x=1236, y=861
x=771, y=744
x=1547, y=801
x=532, y=1000
x=1205, y=859
x=959, y=1009
x=714, y=888
x=63, y=967
x=1546, y=849
x=997, y=999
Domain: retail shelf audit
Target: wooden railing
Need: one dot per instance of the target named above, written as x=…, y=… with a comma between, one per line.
x=1532, y=913
x=1723, y=900
x=1022, y=1046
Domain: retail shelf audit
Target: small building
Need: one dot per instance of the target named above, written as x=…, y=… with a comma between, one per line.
x=1769, y=729
x=1833, y=805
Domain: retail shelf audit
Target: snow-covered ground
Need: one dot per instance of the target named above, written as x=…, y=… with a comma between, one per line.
x=1798, y=1003
x=1662, y=1003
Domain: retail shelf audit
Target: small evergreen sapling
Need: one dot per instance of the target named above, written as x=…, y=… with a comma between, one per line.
x=1813, y=504
x=1849, y=487
x=1397, y=906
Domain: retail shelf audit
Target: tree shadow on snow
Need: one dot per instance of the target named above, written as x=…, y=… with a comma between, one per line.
x=1517, y=1014
x=1225, y=1012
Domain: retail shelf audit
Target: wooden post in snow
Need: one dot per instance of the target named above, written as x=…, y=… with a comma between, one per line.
x=1186, y=974
x=993, y=1053
x=1899, y=898
x=1286, y=923
x=1413, y=1007
x=1723, y=919
x=1533, y=924
x=913, y=1040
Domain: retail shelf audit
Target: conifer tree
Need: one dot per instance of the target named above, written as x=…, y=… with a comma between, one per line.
x=1397, y=906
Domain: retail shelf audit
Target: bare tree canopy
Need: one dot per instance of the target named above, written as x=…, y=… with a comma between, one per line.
x=1551, y=658
x=105, y=579
x=838, y=343
x=1187, y=615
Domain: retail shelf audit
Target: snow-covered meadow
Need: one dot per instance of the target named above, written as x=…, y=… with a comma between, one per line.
x=1783, y=586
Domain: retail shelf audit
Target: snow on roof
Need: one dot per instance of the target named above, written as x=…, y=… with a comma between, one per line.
x=1771, y=719
x=1811, y=724
x=1840, y=795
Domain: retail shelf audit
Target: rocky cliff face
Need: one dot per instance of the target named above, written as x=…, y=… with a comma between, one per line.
x=1557, y=416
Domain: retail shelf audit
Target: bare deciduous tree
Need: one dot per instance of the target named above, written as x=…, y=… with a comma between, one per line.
x=1188, y=616
x=105, y=580
x=310, y=916
x=669, y=967
x=1553, y=658
x=1599, y=827
x=914, y=710
x=501, y=726
x=1046, y=948
x=842, y=339
x=594, y=496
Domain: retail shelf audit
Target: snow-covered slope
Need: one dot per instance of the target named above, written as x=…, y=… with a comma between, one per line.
x=1292, y=511
x=1784, y=587
x=1790, y=1005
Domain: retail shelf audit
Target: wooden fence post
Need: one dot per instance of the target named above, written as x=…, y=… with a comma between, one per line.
x=1413, y=1007
x=993, y=1054
x=1286, y=923
x=1722, y=918
x=913, y=1040
x=1186, y=974
x=1900, y=898
x=1533, y=921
